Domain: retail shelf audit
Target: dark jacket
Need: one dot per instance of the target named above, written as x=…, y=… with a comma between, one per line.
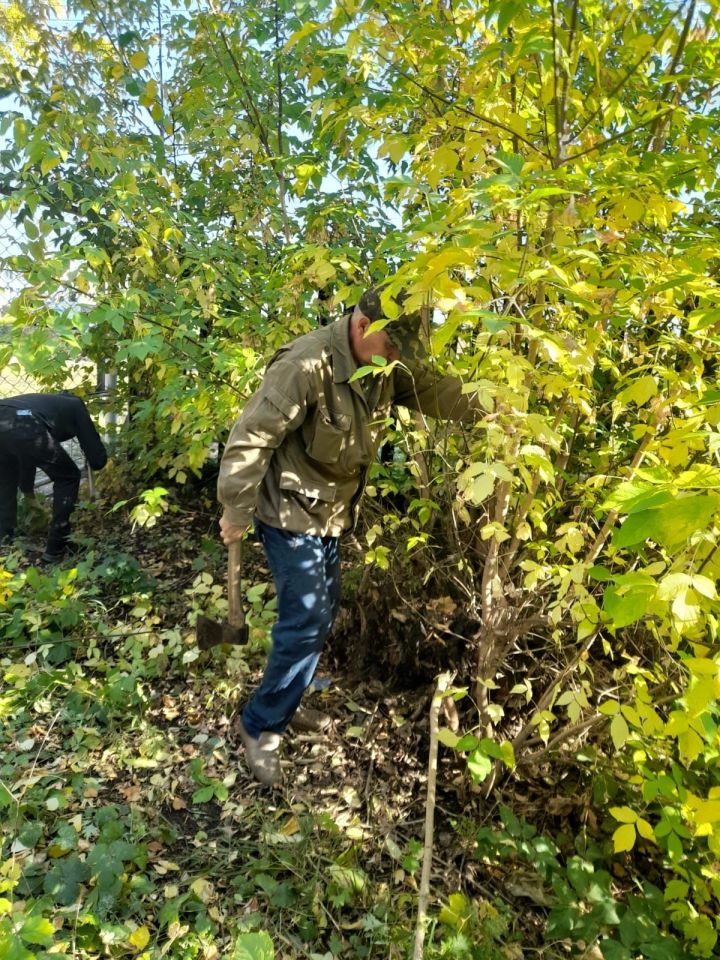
x=65, y=416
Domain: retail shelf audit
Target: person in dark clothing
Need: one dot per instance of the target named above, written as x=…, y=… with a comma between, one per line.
x=32, y=427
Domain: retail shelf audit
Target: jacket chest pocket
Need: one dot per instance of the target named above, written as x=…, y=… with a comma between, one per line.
x=329, y=437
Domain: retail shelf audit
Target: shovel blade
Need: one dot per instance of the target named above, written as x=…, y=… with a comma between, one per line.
x=209, y=633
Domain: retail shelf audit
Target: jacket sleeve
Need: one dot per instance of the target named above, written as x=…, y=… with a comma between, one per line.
x=278, y=408
x=422, y=389
x=89, y=439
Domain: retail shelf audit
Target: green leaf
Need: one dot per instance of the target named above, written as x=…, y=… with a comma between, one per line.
x=253, y=946
x=635, y=495
x=479, y=765
x=613, y=950
x=481, y=488
x=204, y=794
x=581, y=874
x=509, y=9
x=629, y=599
x=702, y=930
x=448, y=738
x=12, y=947
x=361, y=372
x=126, y=38
x=676, y=890
x=541, y=193
x=466, y=743
x=619, y=730
x=63, y=881
x=37, y=930
x=351, y=878
x=669, y=525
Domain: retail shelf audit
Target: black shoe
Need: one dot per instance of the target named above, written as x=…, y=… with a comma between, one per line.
x=7, y=542
x=51, y=556
x=50, y=559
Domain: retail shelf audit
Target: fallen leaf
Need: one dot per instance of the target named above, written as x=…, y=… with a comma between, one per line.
x=290, y=827
x=140, y=938
x=132, y=792
x=203, y=889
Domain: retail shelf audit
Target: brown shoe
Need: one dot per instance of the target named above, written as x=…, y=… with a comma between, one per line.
x=307, y=720
x=262, y=755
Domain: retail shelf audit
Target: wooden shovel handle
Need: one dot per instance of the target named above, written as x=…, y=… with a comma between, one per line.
x=90, y=481
x=236, y=615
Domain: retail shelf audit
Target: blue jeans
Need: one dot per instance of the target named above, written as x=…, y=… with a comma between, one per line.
x=306, y=571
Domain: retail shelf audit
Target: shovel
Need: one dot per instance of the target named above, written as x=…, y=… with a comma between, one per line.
x=210, y=633
x=92, y=491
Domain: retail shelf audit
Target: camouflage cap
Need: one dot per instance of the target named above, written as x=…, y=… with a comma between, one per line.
x=405, y=331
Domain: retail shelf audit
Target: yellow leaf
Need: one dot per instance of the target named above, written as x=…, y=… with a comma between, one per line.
x=55, y=850
x=355, y=732
x=624, y=814
x=149, y=93
x=138, y=60
x=631, y=208
x=395, y=147
x=202, y=889
x=291, y=827
x=444, y=160
x=139, y=938
x=447, y=258
x=704, y=586
x=691, y=745
x=708, y=811
x=645, y=829
x=310, y=27
x=457, y=911
x=638, y=392
x=47, y=163
x=624, y=837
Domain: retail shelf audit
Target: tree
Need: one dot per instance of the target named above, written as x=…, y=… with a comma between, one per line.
x=545, y=176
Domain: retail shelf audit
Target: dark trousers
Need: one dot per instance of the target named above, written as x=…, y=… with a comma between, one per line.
x=306, y=571
x=25, y=442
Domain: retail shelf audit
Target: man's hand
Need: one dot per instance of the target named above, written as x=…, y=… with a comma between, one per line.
x=230, y=532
